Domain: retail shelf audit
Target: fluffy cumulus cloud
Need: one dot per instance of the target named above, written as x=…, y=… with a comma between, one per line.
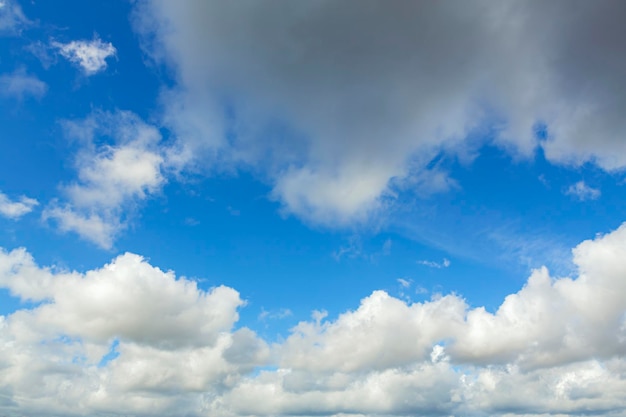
x=127, y=338
x=91, y=55
x=19, y=85
x=119, y=164
x=14, y=209
x=342, y=106
x=130, y=339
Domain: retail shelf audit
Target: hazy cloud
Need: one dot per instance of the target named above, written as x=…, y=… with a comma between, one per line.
x=583, y=192
x=19, y=85
x=432, y=264
x=12, y=18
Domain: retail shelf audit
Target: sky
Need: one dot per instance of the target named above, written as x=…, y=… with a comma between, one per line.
x=320, y=208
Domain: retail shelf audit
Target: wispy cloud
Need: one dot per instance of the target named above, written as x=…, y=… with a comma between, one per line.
x=12, y=19
x=583, y=192
x=14, y=209
x=404, y=283
x=274, y=314
x=112, y=177
x=19, y=85
x=91, y=55
x=432, y=264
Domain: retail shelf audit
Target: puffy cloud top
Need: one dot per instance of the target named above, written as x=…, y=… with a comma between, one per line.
x=130, y=339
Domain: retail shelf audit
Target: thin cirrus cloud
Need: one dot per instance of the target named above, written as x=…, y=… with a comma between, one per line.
x=368, y=96
x=158, y=344
x=91, y=56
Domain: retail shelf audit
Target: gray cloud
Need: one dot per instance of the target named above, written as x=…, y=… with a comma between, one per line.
x=339, y=104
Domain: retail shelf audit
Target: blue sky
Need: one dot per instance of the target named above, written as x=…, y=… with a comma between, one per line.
x=203, y=202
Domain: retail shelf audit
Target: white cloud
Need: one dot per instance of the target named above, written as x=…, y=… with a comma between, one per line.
x=583, y=192
x=91, y=55
x=16, y=209
x=174, y=341
x=275, y=314
x=12, y=18
x=19, y=85
x=556, y=347
x=432, y=264
x=342, y=106
x=404, y=283
x=112, y=177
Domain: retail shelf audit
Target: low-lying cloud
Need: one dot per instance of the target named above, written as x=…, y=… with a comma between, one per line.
x=130, y=339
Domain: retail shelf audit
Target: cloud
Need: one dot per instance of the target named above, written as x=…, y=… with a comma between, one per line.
x=274, y=314
x=130, y=339
x=404, y=283
x=583, y=192
x=90, y=55
x=432, y=264
x=16, y=209
x=342, y=107
x=12, y=19
x=113, y=175
x=19, y=85
x=172, y=341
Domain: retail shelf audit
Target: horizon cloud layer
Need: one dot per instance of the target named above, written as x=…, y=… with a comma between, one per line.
x=130, y=339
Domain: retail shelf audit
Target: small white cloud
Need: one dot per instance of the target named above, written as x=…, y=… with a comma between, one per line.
x=90, y=226
x=19, y=85
x=275, y=314
x=404, y=283
x=432, y=264
x=583, y=192
x=16, y=209
x=91, y=55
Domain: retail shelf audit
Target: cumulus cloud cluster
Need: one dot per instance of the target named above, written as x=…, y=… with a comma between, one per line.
x=340, y=106
x=130, y=339
x=172, y=343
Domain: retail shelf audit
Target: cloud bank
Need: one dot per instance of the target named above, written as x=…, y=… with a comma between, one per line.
x=130, y=339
